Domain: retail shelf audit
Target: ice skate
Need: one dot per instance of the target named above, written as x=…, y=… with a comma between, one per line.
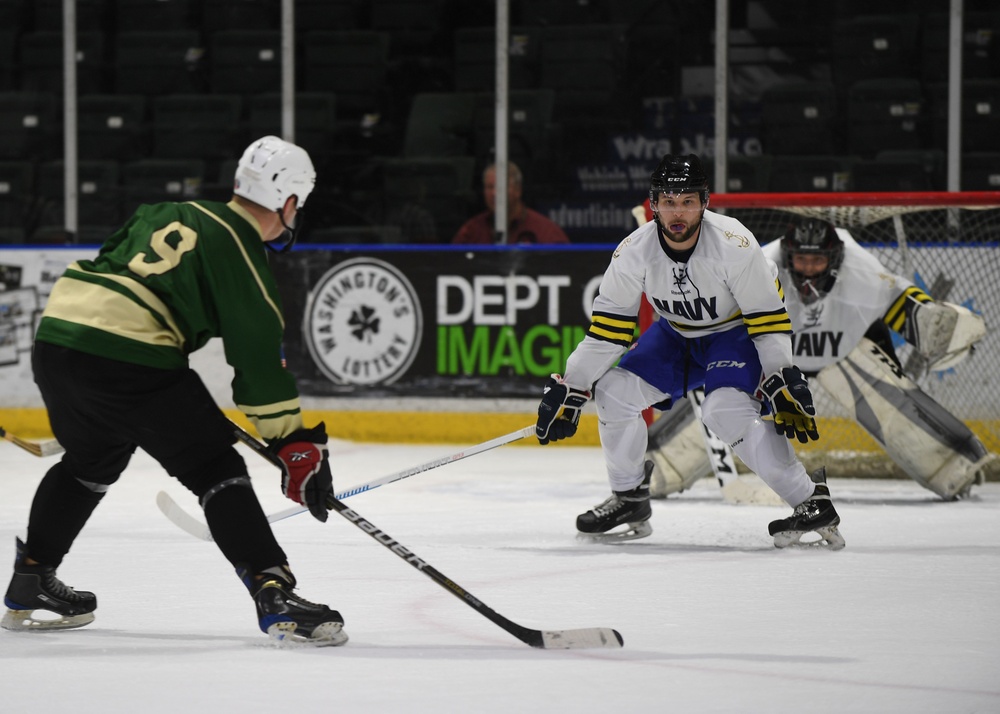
x=36, y=588
x=288, y=618
x=815, y=514
x=628, y=508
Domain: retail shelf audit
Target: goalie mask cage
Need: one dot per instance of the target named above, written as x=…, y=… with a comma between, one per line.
x=948, y=244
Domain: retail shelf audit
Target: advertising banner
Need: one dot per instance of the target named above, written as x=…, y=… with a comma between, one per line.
x=446, y=322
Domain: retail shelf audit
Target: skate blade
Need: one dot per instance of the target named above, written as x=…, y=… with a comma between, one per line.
x=829, y=538
x=25, y=621
x=634, y=531
x=328, y=634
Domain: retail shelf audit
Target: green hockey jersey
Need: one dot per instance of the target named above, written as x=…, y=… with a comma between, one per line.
x=173, y=277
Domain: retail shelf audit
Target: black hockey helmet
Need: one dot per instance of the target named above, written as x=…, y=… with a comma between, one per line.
x=678, y=174
x=812, y=236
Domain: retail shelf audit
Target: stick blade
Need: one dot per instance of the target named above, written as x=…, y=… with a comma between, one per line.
x=181, y=518
x=585, y=638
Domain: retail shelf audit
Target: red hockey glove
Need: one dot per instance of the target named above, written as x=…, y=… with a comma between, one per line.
x=306, y=476
x=792, y=404
x=559, y=396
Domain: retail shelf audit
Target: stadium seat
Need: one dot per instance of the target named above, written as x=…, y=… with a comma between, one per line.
x=91, y=15
x=873, y=47
x=157, y=180
x=585, y=66
x=440, y=124
x=157, y=15
x=808, y=174
x=475, y=58
x=219, y=15
x=981, y=115
x=351, y=65
x=532, y=137
x=980, y=171
x=315, y=120
x=885, y=114
x=17, y=192
x=245, y=61
x=203, y=125
x=9, y=66
x=980, y=46
x=113, y=126
x=335, y=15
x=799, y=118
x=42, y=62
x=930, y=162
x=158, y=63
x=98, y=193
x=30, y=125
x=898, y=174
x=417, y=27
x=546, y=13
x=439, y=188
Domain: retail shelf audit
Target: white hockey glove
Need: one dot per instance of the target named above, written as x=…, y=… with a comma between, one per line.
x=792, y=404
x=559, y=397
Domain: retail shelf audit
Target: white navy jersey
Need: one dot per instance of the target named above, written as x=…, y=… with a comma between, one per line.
x=726, y=283
x=864, y=292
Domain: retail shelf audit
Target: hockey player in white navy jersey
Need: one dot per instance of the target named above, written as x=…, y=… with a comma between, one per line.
x=723, y=326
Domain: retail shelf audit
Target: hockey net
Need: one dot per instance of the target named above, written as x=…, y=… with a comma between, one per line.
x=948, y=244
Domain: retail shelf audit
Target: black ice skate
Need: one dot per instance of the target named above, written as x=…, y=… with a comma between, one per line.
x=816, y=514
x=36, y=587
x=286, y=617
x=630, y=508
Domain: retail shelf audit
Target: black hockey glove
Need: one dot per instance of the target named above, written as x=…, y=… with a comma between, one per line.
x=306, y=476
x=559, y=396
x=792, y=404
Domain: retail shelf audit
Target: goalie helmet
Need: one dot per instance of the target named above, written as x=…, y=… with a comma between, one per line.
x=679, y=174
x=812, y=237
x=271, y=170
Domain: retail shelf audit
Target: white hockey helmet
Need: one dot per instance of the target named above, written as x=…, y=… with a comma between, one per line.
x=272, y=169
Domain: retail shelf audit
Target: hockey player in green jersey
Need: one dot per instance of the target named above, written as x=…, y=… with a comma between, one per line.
x=111, y=361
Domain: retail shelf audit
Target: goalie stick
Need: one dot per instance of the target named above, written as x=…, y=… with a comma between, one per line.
x=50, y=447
x=589, y=637
x=185, y=521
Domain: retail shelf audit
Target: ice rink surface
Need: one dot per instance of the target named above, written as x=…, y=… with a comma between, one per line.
x=905, y=619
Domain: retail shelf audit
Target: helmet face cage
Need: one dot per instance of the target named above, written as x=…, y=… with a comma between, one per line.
x=678, y=174
x=812, y=237
x=270, y=170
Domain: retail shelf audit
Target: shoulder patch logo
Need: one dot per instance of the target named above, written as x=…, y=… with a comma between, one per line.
x=741, y=241
x=363, y=323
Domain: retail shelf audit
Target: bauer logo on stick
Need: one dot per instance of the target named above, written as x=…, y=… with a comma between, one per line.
x=363, y=323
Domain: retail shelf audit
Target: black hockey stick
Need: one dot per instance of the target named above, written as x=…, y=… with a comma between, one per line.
x=547, y=639
x=51, y=447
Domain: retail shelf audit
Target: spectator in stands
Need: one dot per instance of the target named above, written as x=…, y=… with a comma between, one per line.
x=525, y=225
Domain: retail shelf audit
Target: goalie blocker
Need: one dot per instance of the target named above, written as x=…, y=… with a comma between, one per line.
x=933, y=447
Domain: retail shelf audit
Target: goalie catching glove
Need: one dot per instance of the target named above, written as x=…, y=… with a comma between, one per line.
x=306, y=477
x=559, y=397
x=792, y=404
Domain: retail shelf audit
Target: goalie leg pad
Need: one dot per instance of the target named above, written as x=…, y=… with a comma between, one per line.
x=931, y=445
x=677, y=449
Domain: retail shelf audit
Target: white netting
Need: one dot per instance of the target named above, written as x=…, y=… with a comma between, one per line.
x=950, y=247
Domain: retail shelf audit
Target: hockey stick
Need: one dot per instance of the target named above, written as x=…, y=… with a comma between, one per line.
x=51, y=447
x=547, y=639
x=182, y=519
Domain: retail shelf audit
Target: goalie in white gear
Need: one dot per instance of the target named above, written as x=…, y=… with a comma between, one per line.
x=842, y=306
x=723, y=326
